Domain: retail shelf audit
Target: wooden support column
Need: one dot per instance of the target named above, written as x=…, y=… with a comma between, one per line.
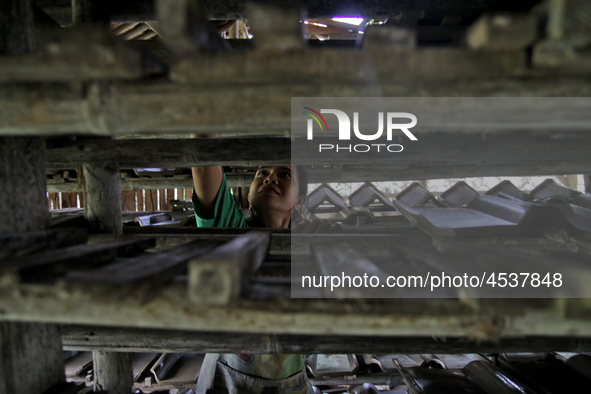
x=31, y=359
x=112, y=372
x=102, y=197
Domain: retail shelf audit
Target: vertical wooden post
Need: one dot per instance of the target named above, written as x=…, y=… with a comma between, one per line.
x=112, y=372
x=587, y=183
x=31, y=359
x=102, y=197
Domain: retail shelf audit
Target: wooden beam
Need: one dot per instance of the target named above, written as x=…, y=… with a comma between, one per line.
x=77, y=54
x=388, y=64
x=153, y=269
x=22, y=244
x=497, y=154
x=58, y=261
x=31, y=357
x=23, y=202
x=122, y=108
x=85, y=338
x=102, y=197
x=218, y=278
x=17, y=29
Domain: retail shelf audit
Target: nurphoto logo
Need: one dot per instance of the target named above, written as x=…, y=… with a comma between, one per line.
x=345, y=130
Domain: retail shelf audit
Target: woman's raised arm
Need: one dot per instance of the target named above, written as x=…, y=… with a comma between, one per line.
x=207, y=182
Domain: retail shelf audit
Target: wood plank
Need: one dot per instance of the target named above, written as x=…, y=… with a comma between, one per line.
x=23, y=200
x=150, y=201
x=433, y=150
x=219, y=277
x=65, y=197
x=56, y=201
x=32, y=358
x=153, y=269
x=169, y=197
x=189, y=193
x=81, y=196
x=22, y=244
x=77, y=54
x=49, y=201
x=388, y=63
x=103, y=197
x=450, y=318
x=162, y=200
x=59, y=261
x=74, y=199
x=87, y=338
x=128, y=200
x=187, y=108
x=140, y=200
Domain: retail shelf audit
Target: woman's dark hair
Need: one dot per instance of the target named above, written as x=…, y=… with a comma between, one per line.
x=302, y=181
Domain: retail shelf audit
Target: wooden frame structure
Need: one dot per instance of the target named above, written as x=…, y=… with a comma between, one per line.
x=56, y=82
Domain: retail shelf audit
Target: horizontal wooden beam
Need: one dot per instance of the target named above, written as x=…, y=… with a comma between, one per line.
x=157, y=106
x=388, y=63
x=77, y=54
x=26, y=243
x=234, y=180
x=85, y=338
x=436, y=155
x=175, y=153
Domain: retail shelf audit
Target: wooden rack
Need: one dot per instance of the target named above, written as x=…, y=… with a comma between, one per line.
x=81, y=81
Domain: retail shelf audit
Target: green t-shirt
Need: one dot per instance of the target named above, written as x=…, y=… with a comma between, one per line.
x=227, y=214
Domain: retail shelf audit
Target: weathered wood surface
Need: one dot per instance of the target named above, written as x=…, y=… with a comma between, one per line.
x=155, y=106
x=86, y=338
x=31, y=357
x=77, y=54
x=59, y=261
x=102, y=196
x=219, y=277
x=152, y=269
x=112, y=372
x=491, y=320
x=27, y=243
x=172, y=153
x=23, y=203
x=17, y=30
x=384, y=62
x=436, y=155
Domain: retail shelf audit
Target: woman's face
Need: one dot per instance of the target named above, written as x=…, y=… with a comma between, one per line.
x=275, y=189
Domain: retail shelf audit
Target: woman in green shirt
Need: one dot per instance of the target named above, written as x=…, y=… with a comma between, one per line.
x=276, y=194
